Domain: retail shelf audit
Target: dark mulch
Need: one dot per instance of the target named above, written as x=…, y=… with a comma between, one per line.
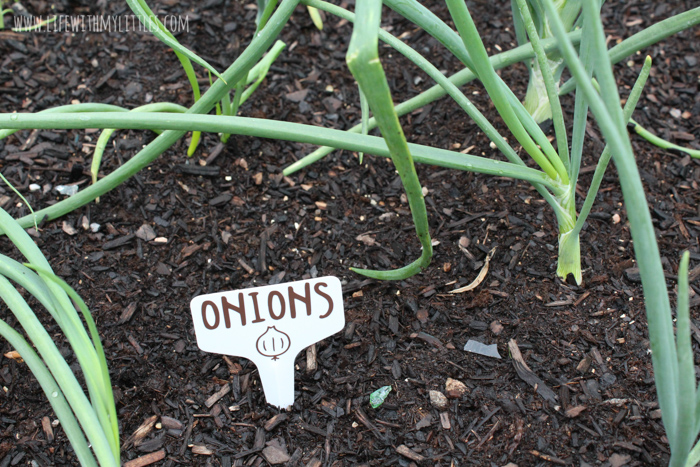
x=250, y=226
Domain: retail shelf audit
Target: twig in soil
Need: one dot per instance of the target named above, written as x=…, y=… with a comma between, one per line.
x=362, y=417
x=519, y=429
x=489, y=435
x=428, y=338
x=527, y=375
x=552, y=459
x=408, y=453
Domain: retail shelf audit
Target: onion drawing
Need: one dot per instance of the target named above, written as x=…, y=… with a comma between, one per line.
x=273, y=343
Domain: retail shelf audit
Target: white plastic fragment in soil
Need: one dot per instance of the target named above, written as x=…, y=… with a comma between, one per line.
x=270, y=325
x=66, y=190
x=482, y=349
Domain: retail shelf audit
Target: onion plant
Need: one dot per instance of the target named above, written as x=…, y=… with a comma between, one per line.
x=536, y=99
x=89, y=421
x=674, y=371
x=555, y=173
x=557, y=169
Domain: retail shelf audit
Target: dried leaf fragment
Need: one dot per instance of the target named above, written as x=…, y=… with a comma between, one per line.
x=480, y=277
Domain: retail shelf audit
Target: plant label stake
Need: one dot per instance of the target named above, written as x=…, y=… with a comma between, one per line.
x=270, y=325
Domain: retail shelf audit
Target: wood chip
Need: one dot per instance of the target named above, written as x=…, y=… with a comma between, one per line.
x=140, y=433
x=202, y=450
x=146, y=233
x=272, y=423
x=48, y=429
x=366, y=239
x=127, y=313
x=68, y=228
x=170, y=423
x=410, y=454
x=314, y=462
x=311, y=363
x=445, y=421
x=246, y=266
x=214, y=153
x=214, y=398
x=552, y=459
x=205, y=171
x=313, y=429
x=118, y=242
x=558, y=303
x=148, y=459
x=572, y=412
x=297, y=96
x=427, y=338
x=134, y=343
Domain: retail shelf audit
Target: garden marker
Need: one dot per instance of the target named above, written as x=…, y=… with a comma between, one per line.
x=270, y=325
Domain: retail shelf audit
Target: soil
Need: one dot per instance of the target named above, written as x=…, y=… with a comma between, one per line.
x=595, y=402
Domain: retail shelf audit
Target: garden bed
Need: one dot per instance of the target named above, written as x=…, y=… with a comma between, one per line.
x=247, y=225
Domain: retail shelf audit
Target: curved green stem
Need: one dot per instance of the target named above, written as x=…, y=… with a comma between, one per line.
x=107, y=133
x=649, y=36
x=61, y=371
x=660, y=142
x=444, y=85
x=606, y=155
x=72, y=108
x=264, y=128
x=364, y=64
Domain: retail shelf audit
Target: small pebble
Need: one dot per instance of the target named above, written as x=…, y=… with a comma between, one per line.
x=438, y=400
x=496, y=327
x=455, y=389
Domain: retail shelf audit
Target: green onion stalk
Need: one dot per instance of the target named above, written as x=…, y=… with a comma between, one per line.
x=657, y=141
x=536, y=99
x=89, y=421
x=363, y=61
x=674, y=374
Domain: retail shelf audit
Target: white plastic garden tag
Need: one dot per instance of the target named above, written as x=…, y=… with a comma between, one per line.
x=270, y=325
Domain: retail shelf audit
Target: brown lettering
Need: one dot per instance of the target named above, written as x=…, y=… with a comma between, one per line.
x=305, y=299
x=240, y=309
x=204, y=315
x=326, y=296
x=275, y=293
x=258, y=319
